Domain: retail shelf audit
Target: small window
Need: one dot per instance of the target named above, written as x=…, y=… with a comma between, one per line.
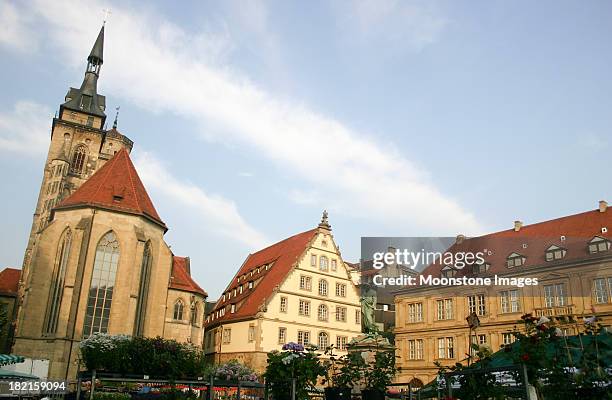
x=340, y=289
x=90, y=120
x=304, y=308
x=334, y=265
x=251, y=333
x=233, y=308
x=313, y=260
x=598, y=245
x=515, y=260
x=449, y=272
x=323, y=313
x=480, y=268
x=323, y=340
x=283, y=304
x=305, y=282
x=251, y=285
x=323, y=263
x=555, y=253
x=227, y=335
x=282, y=335
x=341, y=342
x=323, y=288
x=340, y=313
x=178, y=310
x=303, y=338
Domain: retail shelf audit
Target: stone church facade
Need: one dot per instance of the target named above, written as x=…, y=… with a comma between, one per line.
x=96, y=260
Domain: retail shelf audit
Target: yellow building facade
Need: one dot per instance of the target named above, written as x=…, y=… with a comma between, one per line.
x=571, y=259
x=298, y=290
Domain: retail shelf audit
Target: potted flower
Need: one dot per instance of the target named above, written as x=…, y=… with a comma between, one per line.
x=342, y=373
x=294, y=365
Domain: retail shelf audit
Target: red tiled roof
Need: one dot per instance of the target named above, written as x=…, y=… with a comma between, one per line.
x=9, y=280
x=532, y=241
x=282, y=256
x=115, y=186
x=181, y=278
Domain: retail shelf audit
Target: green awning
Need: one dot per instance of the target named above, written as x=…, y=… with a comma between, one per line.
x=8, y=375
x=7, y=359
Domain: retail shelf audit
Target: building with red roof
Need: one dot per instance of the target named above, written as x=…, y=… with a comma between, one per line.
x=9, y=288
x=97, y=261
x=555, y=269
x=297, y=290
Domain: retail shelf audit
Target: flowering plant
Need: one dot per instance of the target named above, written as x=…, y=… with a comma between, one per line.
x=235, y=371
x=297, y=363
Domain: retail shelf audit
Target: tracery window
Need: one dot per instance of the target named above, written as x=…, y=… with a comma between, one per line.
x=102, y=285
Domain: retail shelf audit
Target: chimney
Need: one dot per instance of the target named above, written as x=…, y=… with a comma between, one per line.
x=460, y=238
x=518, y=225
x=603, y=206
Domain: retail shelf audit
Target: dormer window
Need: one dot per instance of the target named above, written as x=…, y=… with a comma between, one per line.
x=554, y=253
x=515, y=260
x=448, y=272
x=251, y=285
x=480, y=268
x=599, y=245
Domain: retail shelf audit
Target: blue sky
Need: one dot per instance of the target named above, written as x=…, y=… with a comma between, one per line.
x=402, y=118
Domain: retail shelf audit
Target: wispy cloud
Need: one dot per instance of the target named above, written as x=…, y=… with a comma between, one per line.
x=25, y=129
x=15, y=31
x=358, y=175
x=213, y=210
x=400, y=23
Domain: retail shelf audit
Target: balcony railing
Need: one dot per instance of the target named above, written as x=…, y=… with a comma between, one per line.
x=554, y=311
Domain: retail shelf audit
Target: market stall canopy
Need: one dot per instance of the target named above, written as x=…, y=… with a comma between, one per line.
x=7, y=359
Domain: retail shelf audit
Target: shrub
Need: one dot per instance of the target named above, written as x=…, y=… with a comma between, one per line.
x=142, y=356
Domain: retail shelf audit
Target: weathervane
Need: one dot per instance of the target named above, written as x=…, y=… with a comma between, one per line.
x=106, y=12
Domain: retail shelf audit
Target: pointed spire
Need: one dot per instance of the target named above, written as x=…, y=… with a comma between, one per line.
x=116, y=117
x=86, y=98
x=324, y=221
x=97, y=51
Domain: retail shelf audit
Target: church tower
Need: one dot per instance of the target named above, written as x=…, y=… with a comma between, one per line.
x=79, y=146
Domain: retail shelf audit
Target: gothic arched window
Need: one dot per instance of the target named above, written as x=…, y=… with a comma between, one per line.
x=102, y=285
x=57, y=282
x=143, y=290
x=78, y=159
x=178, y=310
x=195, y=313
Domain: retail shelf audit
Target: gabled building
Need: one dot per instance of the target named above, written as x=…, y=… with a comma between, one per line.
x=96, y=260
x=297, y=290
x=571, y=258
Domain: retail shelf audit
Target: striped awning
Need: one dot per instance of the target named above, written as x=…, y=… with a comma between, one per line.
x=6, y=359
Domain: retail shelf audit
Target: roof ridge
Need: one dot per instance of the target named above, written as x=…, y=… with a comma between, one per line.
x=132, y=184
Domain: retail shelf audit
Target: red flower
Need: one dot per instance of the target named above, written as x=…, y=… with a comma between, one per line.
x=525, y=357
